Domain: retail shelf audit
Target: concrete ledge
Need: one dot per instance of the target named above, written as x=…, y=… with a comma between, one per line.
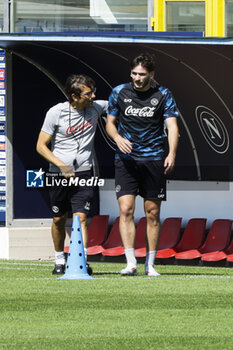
x=32, y=243
x=4, y=243
x=27, y=243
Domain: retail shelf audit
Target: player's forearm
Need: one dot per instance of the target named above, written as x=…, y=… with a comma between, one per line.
x=112, y=130
x=124, y=145
x=173, y=139
x=45, y=152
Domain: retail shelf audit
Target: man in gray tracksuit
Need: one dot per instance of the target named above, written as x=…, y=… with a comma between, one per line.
x=70, y=128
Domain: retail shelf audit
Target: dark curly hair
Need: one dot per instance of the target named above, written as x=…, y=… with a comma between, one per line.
x=146, y=60
x=74, y=82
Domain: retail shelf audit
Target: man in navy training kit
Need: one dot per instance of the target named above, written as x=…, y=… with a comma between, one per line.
x=70, y=128
x=135, y=121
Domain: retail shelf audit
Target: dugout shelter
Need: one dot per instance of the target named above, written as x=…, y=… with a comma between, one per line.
x=33, y=70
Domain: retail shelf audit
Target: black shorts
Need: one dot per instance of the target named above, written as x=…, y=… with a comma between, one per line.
x=138, y=177
x=76, y=198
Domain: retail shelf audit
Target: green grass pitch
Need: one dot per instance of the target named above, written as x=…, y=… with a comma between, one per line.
x=187, y=307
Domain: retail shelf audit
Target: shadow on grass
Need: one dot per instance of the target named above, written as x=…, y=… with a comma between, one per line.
x=162, y=274
x=106, y=273
x=190, y=274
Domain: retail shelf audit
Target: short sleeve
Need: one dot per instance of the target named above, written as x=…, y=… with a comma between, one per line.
x=101, y=106
x=112, y=104
x=170, y=107
x=51, y=120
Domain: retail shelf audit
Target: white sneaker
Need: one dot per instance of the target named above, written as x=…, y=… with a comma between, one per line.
x=150, y=271
x=129, y=271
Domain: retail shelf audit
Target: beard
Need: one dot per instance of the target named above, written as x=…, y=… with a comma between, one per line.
x=141, y=85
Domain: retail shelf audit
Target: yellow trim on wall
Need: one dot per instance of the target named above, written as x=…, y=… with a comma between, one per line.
x=159, y=16
x=218, y=18
x=214, y=16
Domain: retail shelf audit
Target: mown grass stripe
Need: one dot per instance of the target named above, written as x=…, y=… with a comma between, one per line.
x=187, y=307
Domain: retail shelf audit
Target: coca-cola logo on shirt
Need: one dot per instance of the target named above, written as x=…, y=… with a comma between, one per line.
x=145, y=112
x=80, y=127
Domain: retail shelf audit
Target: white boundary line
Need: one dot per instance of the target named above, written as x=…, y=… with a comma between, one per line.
x=144, y=278
x=26, y=264
x=10, y=265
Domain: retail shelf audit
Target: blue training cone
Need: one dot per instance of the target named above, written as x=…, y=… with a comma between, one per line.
x=76, y=263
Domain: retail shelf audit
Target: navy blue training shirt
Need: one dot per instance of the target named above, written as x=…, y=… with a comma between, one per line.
x=141, y=116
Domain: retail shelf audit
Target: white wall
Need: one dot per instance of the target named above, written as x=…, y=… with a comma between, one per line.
x=187, y=199
x=4, y=243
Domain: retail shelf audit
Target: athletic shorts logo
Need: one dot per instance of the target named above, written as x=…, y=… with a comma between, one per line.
x=35, y=178
x=161, y=195
x=154, y=101
x=118, y=188
x=87, y=206
x=55, y=209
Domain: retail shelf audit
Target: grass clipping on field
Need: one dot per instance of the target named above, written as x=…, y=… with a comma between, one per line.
x=184, y=308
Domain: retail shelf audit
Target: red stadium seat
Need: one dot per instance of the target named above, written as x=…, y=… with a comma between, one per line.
x=221, y=254
x=214, y=256
x=97, y=231
x=192, y=237
x=230, y=258
x=229, y=252
x=113, y=245
x=140, y=243
x=216, y=240
x=170, y=234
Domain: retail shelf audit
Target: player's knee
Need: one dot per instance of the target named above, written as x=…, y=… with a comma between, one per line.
x=83, y=219
x=126, y=212
x=59, y=222
x=153, y=217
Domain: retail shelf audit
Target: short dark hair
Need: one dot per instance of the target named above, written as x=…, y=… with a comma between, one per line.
x=74, y=82
x=146, y=60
